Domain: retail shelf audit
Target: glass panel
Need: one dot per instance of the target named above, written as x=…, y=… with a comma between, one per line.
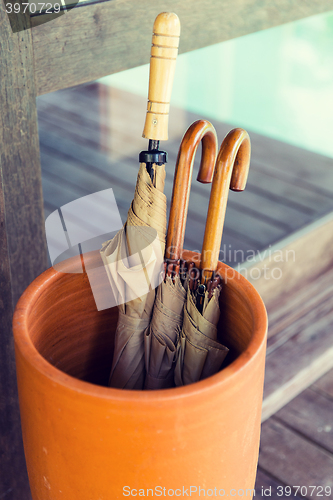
x=277, y=82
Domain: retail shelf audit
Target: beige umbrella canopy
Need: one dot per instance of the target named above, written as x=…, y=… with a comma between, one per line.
x=134, y=263
x=200, y=355
x=162, y=336
x=134, y=258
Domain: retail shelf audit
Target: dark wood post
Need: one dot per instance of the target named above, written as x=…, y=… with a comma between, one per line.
x=22, y=237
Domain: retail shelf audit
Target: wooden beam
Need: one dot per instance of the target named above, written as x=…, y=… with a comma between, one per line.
x=94, y=40
x=22, y=240
x=291, y=263
x=294, y=460
x=310, y=414
x=297, y=363
x=294, y=278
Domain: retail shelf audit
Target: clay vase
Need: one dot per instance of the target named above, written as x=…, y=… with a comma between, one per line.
x=85, y=441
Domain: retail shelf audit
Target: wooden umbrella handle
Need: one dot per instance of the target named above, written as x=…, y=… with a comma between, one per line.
x=231, y=171
x=166, y=33
x=201, y=130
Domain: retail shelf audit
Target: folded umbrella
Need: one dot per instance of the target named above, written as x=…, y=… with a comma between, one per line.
x=163, y=333
x=162, y=336
x=200, y=355
x=134, y=258
x=134, y=261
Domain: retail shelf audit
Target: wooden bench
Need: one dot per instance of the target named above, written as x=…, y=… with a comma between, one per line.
x=300, y=311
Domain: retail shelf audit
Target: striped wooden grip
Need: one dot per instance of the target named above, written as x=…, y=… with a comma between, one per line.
x=163, y=58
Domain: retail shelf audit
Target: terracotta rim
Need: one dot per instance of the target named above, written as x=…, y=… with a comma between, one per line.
x=222, y=378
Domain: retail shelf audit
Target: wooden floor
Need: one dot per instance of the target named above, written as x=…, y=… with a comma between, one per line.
x=90, y=138
x=297, y=446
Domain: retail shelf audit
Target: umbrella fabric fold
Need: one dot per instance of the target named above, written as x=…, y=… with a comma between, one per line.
x=134, y=264
x=199, y=355
x=162, y=336
x=149, y=204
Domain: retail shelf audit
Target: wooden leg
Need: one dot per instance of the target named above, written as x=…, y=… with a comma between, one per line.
x=22, y=235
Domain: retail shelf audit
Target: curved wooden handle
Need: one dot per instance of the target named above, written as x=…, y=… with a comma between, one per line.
x=201, y=130
x=231, y=171
x=163, y=57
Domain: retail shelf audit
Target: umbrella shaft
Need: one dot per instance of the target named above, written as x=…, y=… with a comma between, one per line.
x=200, y=297
x=149, y=167
x=153, y=155
x=153, y=144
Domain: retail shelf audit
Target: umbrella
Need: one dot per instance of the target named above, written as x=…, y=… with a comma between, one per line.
x=134, y=258
x=163, y=333
x=200, y=355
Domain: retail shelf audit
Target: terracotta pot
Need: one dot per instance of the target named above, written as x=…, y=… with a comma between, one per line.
x=89, y=442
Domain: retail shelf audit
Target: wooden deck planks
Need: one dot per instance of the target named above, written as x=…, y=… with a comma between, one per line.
x=118, y=106
x=325, y=385
x=318, y=180
x=275, y=212
x=86, y=127
x=311, y=415
x=299, y=301
x=291, y=367
x=311, y=301
x=76, y=184
x=267, y=487
x=297, y=445
x=121, y=176
x=294, y=460
x=300, y=259
x=306, y=198
x=309, y=167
